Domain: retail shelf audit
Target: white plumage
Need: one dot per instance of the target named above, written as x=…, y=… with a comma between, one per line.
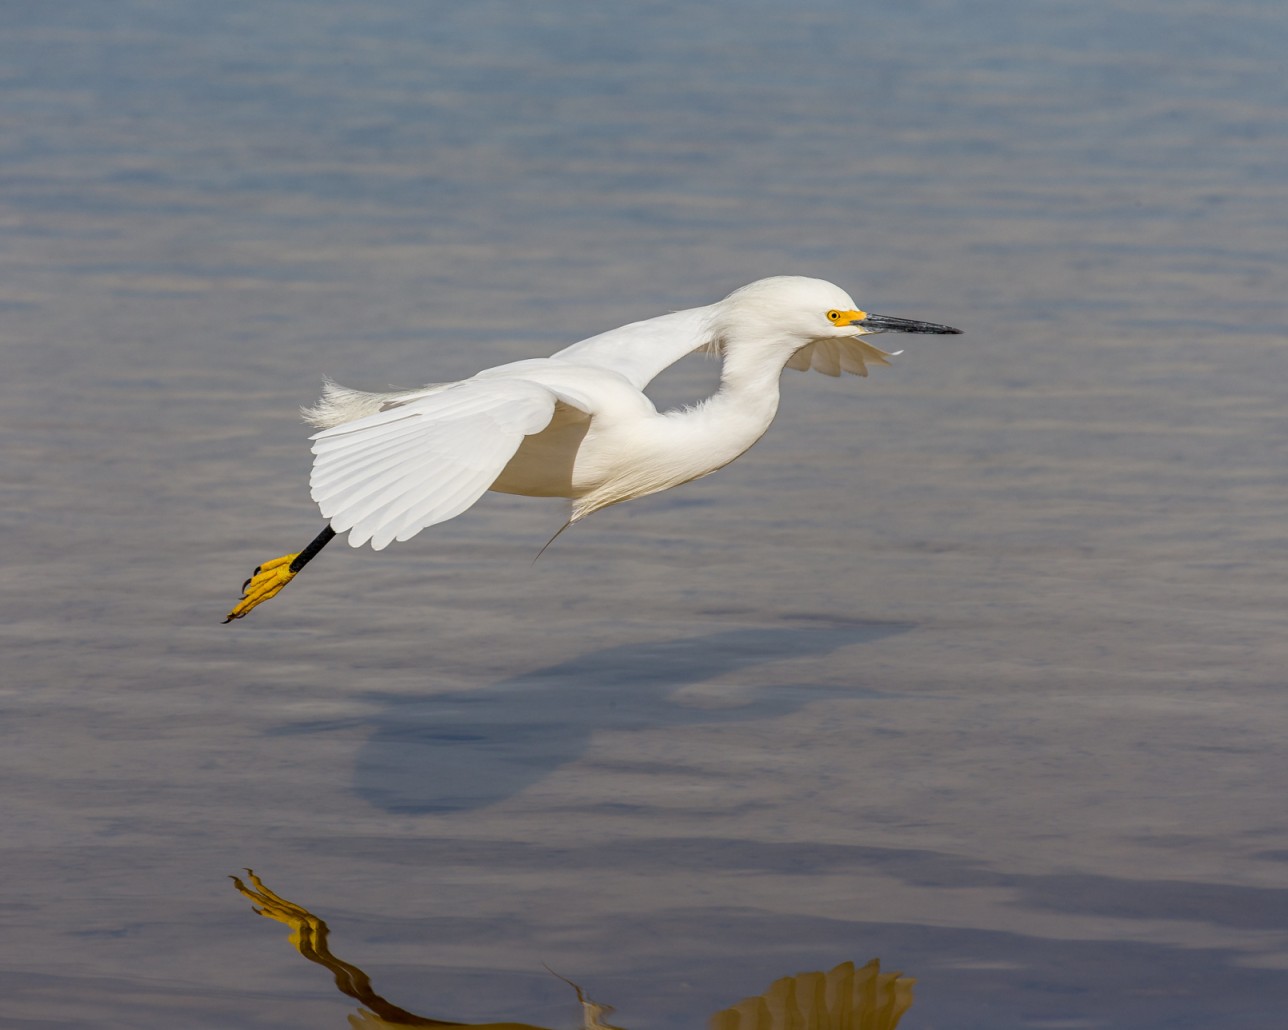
x=390, y=474
x=577, y=424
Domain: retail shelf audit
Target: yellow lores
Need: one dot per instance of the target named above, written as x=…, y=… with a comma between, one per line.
x=846, y=317
x=576, y=424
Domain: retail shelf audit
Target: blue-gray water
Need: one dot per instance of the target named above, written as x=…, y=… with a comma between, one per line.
x=977, y=666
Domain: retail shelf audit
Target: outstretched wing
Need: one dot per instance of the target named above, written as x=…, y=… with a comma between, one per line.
x=640, y=350
x=832, y=357
x=387, y=476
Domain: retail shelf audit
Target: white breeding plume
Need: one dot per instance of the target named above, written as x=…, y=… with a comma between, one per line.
x=576, y=424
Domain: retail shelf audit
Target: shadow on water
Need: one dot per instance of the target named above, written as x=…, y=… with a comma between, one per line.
x=844, y=998
x=469, y=749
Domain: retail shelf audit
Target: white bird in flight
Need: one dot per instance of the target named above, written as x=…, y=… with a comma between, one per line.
x=576, y=424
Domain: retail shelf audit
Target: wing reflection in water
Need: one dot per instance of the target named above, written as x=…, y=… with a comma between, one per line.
x=846, y=998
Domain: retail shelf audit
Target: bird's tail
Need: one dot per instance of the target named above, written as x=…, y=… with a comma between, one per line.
x=339, y=404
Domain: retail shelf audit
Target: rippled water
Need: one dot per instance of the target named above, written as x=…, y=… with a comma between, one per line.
x=976, y=667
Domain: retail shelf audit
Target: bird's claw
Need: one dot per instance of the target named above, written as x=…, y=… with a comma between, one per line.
x=266, y=581
x=274, y=906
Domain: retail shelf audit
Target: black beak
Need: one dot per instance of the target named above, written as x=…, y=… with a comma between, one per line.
x=887, y=324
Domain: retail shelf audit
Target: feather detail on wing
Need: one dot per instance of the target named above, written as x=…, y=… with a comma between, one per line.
x=832, y=357
x=639, y=351
x=339, y=404
x=389, y=475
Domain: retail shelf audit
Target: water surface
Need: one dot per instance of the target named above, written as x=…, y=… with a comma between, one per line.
x=975, y=666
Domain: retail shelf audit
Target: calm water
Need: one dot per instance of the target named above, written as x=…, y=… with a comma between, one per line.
x=976, y=667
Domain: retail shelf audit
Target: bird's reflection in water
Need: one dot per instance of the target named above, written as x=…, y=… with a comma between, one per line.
x=845, y=998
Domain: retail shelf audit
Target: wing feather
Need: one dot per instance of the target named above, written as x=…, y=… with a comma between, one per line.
x=832, y=357
x=402, y=518
x=640, y=350
x=827, y=358
x=852, y=362
x=801, y=359
x=358, y=461
x=360, y=478
x=384, y=484
x=408, y=524
x=450, y=495
x=410, y=481
x=401, y=416
x=392, y=473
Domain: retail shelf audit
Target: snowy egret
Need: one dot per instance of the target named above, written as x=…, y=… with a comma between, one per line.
x=576, y=424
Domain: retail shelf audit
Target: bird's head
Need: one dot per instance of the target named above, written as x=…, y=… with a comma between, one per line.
x=800, y=311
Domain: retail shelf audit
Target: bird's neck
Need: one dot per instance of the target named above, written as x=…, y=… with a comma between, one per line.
x=739, y=412
x=749, y=384
x=688, y=444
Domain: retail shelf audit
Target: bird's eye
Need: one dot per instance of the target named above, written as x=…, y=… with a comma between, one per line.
x=833, y=316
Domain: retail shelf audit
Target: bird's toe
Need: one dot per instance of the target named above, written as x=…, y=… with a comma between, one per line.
x=266, y=582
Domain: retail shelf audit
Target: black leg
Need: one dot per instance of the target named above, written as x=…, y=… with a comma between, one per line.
x=310, y=552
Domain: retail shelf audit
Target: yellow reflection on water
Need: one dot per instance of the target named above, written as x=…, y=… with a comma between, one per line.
x=844, y=998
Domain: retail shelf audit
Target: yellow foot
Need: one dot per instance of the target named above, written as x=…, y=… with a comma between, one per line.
x=267, y=580
x=275, y=906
